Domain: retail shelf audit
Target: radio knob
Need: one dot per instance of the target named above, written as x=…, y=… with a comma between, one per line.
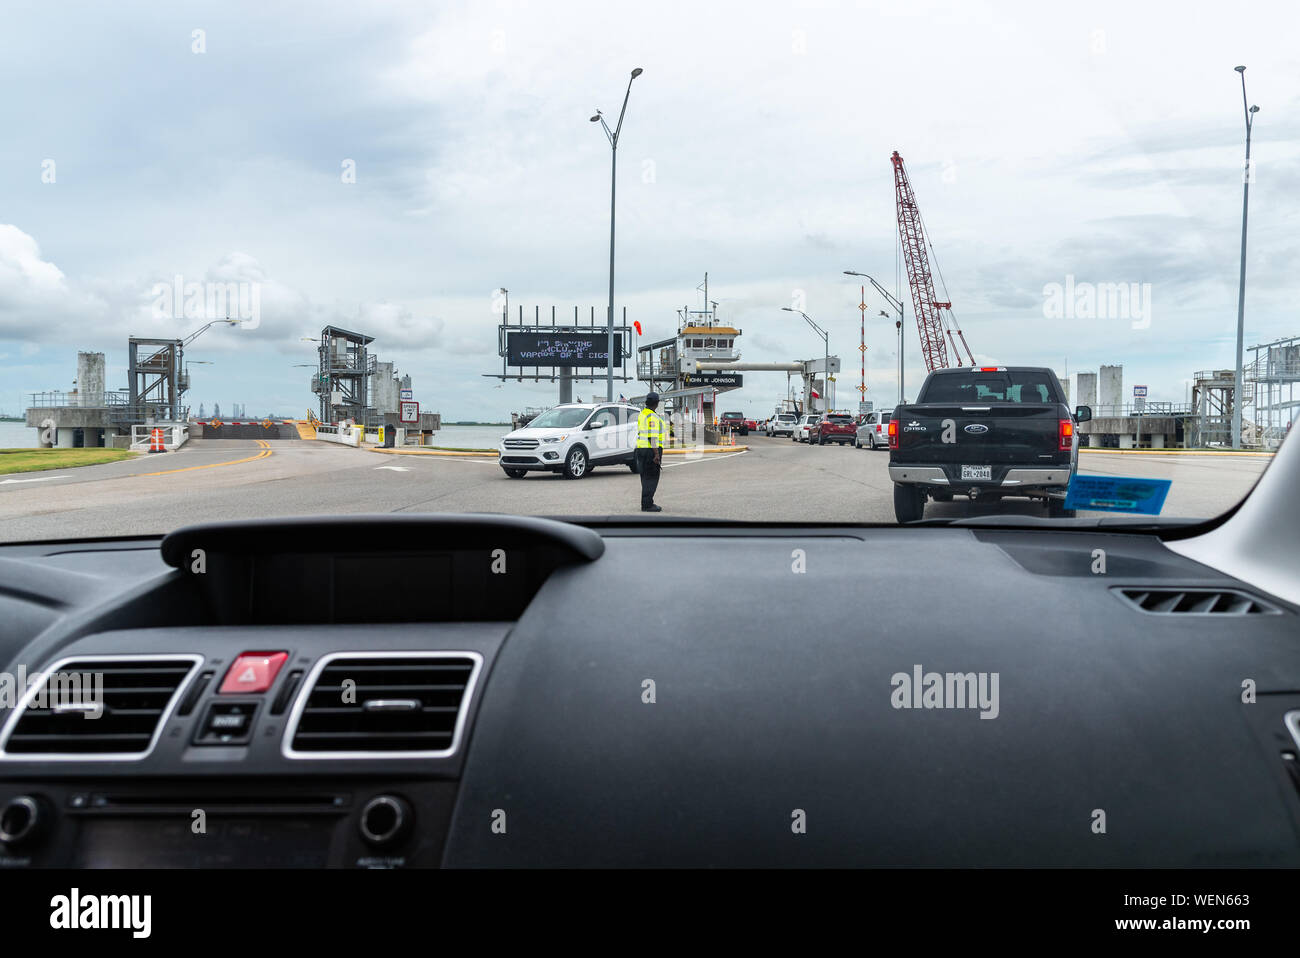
x=21, y=820
x=385, y=819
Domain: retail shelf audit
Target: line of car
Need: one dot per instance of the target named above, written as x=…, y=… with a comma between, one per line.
x=867, y=431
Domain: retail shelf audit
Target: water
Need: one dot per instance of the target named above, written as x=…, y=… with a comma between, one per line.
x=17, y=435
x=466, y=437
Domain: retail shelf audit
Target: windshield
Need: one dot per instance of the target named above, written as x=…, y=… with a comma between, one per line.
x=991, y=387
x=289, y=264
x=561, y=418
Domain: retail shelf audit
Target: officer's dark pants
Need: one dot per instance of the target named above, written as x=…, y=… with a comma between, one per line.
x=649, y=472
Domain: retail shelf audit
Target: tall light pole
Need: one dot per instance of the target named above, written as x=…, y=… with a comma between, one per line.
x=894, y=302
x=613, y=181
x=1241, y=285
x=826, y=372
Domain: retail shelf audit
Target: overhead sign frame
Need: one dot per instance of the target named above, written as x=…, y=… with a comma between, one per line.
x=547, y=368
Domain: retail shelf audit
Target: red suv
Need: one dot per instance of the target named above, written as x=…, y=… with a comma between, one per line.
x=835, y=427
x=734, y=421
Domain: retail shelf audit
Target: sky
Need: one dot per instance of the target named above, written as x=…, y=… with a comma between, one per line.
x=387, y=167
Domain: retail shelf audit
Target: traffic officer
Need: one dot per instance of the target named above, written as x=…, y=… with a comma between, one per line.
x=651, y=435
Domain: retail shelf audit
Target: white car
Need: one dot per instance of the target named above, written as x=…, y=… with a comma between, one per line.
x=782, y=424
x=800, y=433
x=572, y=439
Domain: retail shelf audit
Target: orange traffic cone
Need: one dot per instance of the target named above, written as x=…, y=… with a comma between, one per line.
x=156, y=441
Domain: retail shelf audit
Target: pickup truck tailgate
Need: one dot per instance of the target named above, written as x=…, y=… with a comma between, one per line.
x=1022, y=433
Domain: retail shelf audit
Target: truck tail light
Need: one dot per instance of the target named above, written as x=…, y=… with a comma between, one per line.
x=893, y=434
x=1066, y=434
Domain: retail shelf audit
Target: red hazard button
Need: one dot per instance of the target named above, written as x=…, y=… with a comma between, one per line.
x=253, y=672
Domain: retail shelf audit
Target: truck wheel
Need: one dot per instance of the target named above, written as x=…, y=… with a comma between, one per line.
x=909, y=503
x=1056, y=510
x=575, y=464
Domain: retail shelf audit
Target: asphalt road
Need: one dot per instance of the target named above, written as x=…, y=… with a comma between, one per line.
x=776, y=480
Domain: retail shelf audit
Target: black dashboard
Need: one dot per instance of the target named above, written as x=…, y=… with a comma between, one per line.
x=491, y=691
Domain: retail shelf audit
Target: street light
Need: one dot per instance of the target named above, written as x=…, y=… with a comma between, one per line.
x=898, y=325
x=1241, y=284
x=826, y=373
x=612, y=135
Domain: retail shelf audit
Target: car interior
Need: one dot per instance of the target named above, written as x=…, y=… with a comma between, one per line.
x=385, y=690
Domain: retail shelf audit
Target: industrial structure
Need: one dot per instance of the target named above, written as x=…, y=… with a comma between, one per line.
x=934, y=317
x=92, y=415
x=1270, y=382
x=702, y=360
x=354, y=386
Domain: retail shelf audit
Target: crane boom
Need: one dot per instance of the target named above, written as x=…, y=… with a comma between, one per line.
x=934, y=318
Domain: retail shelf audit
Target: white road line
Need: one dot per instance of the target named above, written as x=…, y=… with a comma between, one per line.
x=393, y=468
x=4, y=482
x=704, y=457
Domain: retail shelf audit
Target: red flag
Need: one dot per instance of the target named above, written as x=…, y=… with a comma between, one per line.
x=816, y=395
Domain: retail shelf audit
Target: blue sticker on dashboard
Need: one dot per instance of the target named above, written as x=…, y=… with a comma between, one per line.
x=1117, y=494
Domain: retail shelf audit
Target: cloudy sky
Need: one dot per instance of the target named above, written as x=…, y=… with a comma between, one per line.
x=1101, y=142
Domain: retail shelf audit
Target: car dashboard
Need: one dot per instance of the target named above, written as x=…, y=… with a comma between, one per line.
x=493, y=691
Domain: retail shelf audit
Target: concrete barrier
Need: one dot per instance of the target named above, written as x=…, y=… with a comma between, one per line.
x=344, y=436
x=244, y=430
x=175, y=435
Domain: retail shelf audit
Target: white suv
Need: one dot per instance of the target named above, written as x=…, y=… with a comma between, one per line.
x=572, y=439
x=782, y=424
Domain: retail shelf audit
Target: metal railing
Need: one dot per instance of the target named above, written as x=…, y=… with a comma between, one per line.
x=1116, y=410
x=77, y=399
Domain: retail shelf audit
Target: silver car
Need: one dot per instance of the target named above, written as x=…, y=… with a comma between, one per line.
x=800, y=431
x=873, y=431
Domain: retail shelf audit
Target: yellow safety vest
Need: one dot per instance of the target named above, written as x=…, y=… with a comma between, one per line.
x=650, y=431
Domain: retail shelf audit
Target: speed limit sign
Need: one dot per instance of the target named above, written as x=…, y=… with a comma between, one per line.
x=410, y=411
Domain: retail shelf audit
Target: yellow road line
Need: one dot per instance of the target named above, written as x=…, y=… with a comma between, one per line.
x=266, y=451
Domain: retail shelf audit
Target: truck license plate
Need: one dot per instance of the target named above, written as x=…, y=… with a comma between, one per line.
x=977, y=472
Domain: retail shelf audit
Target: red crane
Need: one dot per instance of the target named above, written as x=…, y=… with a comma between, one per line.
x=934, y=318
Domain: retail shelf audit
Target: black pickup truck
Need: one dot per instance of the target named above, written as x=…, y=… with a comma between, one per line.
x=984, y=432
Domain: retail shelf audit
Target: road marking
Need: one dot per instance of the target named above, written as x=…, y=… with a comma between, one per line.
x=36, y=479
x=266, y=451
x=710, y=458
x=393, y=468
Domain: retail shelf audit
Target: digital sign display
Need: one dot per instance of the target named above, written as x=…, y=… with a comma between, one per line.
x=562, y=349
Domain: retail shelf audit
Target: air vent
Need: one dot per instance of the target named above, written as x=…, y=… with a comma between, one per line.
x=109, y=707
x=383, y=705
x=1197, y=602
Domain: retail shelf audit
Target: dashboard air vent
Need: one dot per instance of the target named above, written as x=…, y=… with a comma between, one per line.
x=1197, y=602
x=383, y=705
x=104, y=707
